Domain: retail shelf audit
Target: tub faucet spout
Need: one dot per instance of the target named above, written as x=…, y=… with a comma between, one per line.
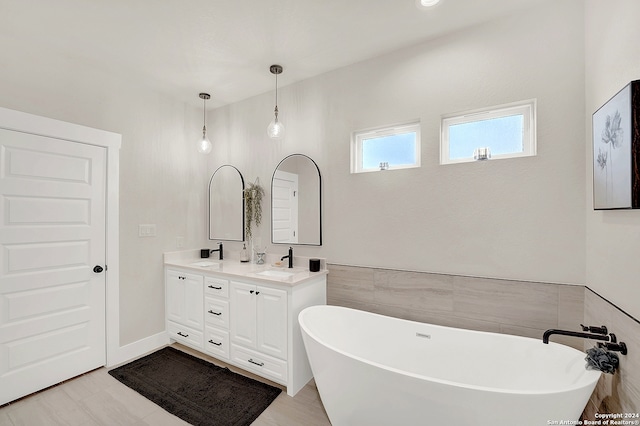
x=289, y=256
x=549, y=333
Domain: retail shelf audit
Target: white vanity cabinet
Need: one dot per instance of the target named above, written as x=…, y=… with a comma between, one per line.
x=259, y=325
x=259, y=318
x=243, y=319
x=184, y=307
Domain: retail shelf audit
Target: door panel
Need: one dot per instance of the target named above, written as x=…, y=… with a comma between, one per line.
x=25, y=304
x=194, y=302
x=52, y=234
x=271, y=314
x=175, y=296
x=284, y=208
x=243, y=313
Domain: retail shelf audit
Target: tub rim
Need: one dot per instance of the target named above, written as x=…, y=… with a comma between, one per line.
x=436, y=380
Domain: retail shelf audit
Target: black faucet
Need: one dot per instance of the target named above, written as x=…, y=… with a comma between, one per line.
x=219, y=249
x=549, y=333
x=290, y=256
x=596, y=333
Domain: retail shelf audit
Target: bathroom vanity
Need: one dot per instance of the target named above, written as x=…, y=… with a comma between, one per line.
x=243, y=314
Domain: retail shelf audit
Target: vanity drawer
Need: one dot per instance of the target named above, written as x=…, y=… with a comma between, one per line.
x=216, y=342
x=186, y=335
x=263, y=365
x=216, y=312
x=218, y=287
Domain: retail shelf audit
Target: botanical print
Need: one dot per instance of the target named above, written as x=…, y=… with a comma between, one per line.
x=602, y=159
x=612, y=153
x=612, y=136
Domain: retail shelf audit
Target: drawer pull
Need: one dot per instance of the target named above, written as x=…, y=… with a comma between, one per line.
x=183, y=335
x=259, y=364
x=215, y=313
x=215, y=288
x=214, y=343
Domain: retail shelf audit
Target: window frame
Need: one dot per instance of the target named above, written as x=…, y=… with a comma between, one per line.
x=526, y=108
x=359, y=136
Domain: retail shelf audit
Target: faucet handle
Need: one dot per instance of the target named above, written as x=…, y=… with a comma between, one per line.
x=594, y=329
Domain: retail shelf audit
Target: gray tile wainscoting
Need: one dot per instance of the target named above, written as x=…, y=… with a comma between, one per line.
x=620, y=392
x=503, y=306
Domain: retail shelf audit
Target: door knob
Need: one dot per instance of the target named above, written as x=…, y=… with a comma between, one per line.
x=97, y=269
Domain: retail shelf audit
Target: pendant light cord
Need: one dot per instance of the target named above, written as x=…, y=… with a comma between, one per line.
x=204, y=116
x=276, y=108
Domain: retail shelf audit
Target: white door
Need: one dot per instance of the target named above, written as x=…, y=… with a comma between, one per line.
x=52, y=236
x=284, y=210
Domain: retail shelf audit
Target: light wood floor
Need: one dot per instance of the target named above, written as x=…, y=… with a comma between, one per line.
x=96, y=398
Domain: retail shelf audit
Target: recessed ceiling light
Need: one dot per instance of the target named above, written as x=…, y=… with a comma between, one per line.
x=426, y=3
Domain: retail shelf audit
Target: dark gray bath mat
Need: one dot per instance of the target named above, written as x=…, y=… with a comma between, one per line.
x=195, y=390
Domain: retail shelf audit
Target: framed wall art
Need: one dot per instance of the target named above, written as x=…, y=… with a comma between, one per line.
x=616, y=151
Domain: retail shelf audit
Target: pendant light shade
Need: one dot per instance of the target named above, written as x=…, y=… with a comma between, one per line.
x=425, y=4
x=204, y=145
x=275, y=129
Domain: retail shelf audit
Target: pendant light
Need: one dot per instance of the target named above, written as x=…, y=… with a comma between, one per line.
x=425, y=4
x=275, y=129
x=204, y=145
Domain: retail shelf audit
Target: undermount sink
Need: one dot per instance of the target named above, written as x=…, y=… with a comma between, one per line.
x=204, y=263
x=275, y=274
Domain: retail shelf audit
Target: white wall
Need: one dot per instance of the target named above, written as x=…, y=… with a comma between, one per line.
x=163, y=179
x=529, y=223
x=520, y=219
x=612, y=237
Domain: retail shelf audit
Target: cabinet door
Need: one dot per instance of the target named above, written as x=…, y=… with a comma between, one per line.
x=243, y=313
x=175, y=295
x=271, y=321
x=194, y=301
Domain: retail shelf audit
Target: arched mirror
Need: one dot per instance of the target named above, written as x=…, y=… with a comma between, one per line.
x=296, y=202
x=226, y=204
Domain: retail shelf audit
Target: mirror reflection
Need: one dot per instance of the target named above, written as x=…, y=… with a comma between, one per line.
x=296, y=192
x=226, y=204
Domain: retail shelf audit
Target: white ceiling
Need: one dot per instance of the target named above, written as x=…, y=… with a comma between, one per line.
x=225, y=47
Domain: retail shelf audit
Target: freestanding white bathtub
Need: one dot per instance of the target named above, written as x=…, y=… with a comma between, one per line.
x=377, y=370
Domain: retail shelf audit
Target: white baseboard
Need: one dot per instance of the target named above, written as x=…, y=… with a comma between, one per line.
x=137, y=349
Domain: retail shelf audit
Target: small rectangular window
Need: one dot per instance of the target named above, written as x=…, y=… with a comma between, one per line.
x=507, y=130
x=386, y=148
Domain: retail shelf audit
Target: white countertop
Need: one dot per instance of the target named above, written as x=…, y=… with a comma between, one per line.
x=233, y=268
